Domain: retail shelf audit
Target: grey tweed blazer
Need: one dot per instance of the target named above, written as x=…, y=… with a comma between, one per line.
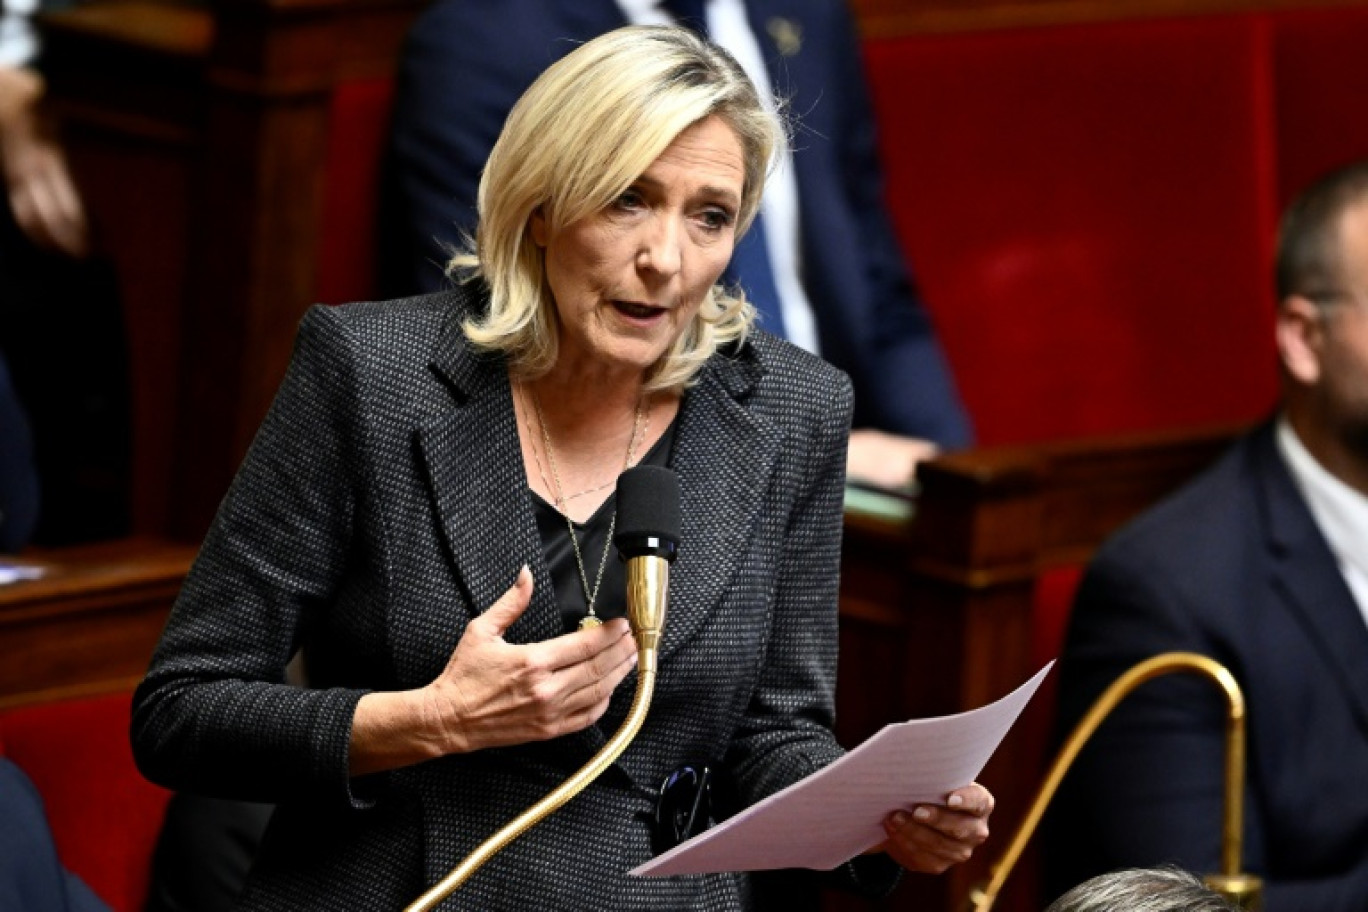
x=382, y=506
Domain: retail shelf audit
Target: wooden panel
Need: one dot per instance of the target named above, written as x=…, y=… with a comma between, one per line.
x=199, y=137
x=89, y=624
x=133, y=142
x=991, y=516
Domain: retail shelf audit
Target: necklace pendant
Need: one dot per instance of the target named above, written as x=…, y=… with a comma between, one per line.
x=589, y=622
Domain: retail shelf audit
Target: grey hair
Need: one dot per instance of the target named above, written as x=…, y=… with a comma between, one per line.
x=1161, y=889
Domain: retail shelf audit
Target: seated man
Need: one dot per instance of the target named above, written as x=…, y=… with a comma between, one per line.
x=826, y=270
x=1262, y=564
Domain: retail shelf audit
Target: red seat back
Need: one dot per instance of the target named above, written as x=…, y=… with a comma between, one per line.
x=104, y=815
x=347, y=244
x=1322, y=83
x=1089, y=210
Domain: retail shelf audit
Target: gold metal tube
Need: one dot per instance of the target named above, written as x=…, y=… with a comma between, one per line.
x=647, y=592
x=1244, y=889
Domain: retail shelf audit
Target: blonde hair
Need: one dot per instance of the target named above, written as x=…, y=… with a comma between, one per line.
x=589, y=126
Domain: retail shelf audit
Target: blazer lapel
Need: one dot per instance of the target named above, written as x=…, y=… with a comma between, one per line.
x=1308, y=577
x=724, y=455
x=474, y=466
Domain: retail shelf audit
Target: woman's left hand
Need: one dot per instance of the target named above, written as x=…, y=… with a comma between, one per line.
x=932, y=837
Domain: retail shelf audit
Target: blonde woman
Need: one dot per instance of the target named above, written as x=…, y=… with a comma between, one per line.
x=427, y=514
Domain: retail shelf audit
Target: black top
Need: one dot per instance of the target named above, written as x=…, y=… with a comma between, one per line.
x=593, y=538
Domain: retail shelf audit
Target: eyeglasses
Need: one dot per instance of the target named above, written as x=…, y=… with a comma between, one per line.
x=683, y=808
x=1332, y=296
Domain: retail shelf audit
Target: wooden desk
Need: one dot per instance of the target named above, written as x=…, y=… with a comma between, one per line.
x=89, y=624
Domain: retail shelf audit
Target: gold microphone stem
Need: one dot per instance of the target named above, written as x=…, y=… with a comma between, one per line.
x=647, y=587
x=1245, y=889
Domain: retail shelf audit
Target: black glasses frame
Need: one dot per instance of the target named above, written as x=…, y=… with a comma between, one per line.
x=683, y=807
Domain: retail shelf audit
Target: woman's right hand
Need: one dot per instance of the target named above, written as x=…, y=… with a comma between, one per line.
x=493, y=693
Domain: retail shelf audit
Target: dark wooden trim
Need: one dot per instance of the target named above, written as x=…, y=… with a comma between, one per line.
x=232, y=104
x=89, y=624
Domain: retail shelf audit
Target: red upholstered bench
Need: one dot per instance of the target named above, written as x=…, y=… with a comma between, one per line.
x=104, y=815
x=1089, y=210
x=1320, y=85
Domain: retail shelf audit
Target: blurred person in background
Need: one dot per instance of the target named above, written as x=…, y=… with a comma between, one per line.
x=1260, y=563
x=61, y=328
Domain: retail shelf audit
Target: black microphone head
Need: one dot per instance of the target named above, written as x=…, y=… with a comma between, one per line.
x=647, y=512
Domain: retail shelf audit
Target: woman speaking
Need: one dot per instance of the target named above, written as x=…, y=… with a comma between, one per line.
x=426, y=514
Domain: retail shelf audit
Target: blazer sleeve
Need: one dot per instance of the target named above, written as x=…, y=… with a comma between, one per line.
x=1339, y=893
x=785, y=732
x=214, y=714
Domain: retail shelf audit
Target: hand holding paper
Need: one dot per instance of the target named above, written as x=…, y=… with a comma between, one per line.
x=838, y=812
x=932, y=838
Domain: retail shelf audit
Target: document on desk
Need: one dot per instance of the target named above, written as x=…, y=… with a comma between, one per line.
x=17, y=572
x=836, y=813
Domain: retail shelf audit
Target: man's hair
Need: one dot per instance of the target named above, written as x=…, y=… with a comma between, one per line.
x=589, y=126
x=1162, y=889
x=1308, y=258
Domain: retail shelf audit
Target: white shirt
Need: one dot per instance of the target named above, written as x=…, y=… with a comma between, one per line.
x=1340, y=511
x=18, y=40
x=728, y=26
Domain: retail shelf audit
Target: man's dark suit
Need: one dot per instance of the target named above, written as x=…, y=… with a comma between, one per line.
x=1234, y=567
x=467, y=62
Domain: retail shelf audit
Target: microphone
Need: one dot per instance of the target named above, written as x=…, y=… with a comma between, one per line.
x=647, y=539
x=1244, y=891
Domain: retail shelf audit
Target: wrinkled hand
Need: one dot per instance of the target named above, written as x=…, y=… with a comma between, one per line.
x=931, y=838
x=493, y=693
x=41, y=193
x=884, y=459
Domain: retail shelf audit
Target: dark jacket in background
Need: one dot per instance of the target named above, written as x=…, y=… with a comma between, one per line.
x=1235, y=568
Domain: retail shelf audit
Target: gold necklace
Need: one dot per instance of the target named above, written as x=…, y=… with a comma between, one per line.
x=560, y=501
x=638, y=431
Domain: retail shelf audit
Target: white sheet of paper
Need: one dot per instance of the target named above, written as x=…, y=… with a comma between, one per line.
x=836, y=813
